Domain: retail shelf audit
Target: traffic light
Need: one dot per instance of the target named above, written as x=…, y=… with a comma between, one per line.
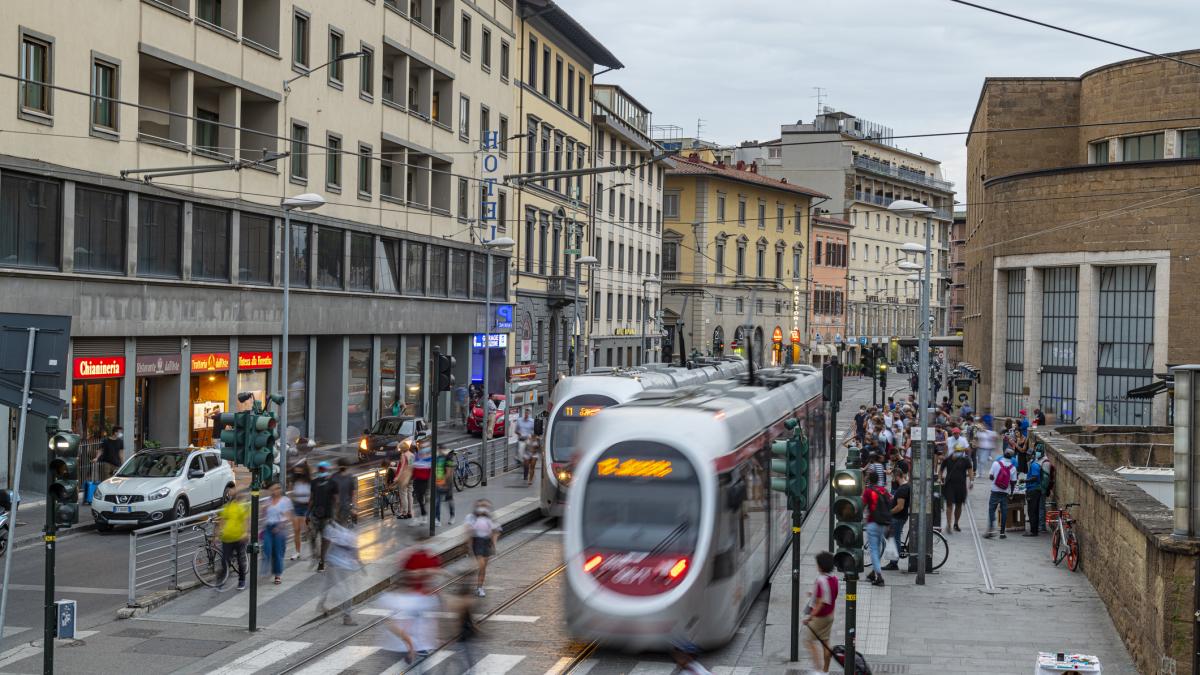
x=848, y=517
x=868, y=360
x=63, y=473
x=791, y=462
x=831, y=382
x=445, y=375
x=232, y=428
x=883, y=375
x=262, y=437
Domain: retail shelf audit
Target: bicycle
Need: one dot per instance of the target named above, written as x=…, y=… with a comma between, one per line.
x=206, y=561
x=939, y=550
x=1063, y=542
x=387, y=499
x=467, y=474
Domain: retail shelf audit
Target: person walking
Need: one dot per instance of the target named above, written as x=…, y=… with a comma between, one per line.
x=901, y=499
x=524, y=429
x=819, y=617
x=443, y=481
x=301, y=498
x=879, y=510
x=110, y=454
x=1004, y=476
x=860, y=424
x=421, y=468
x=322, y=510
x=986, y=439
x=233, y=528
x=280, y=512
x=347, y=495
x=958, y=473
x=343, y=557
x=1034, y=497
x=412, y=626
x=404, y=479
x=482, y=534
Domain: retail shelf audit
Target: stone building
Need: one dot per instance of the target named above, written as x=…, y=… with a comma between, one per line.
x=1080, y=241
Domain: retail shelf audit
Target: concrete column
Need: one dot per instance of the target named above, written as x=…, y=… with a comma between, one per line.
x=376, y=384
x=310, y=399
x=131, y=235
x=229, y=103
x=235, y=240
x=180, y=128
x=333, y=354
x=1033, y=337
x=1087, y=347
x=185, y=397
x=129, y=394
x=232, y=385
x=67, y=250
x=346, y=259
x=185, y=243
x=1162, y=317
x=999, y=329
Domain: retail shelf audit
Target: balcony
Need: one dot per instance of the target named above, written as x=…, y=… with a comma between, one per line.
x=167, y=87
x=560, y=291
x=878, y=167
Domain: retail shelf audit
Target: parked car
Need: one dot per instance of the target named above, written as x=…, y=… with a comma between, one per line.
x=159, y=485
x=390, y=436
x=475, y=420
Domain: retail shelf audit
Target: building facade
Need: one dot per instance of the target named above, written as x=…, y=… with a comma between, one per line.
x=627, y=236
x=734, y=262
x=1079, y=285
x=829, y=262
x=958, y=282
x=555, y=61
x=855, y=161
x=174, y=284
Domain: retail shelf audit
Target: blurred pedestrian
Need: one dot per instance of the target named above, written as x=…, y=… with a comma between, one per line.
x=422, y=466
x=233, y=529
x=684, y=654
x=879, y=509
x=347, y=494
x=343, y=558
x=1034, y=497
x=482, y=534
x=110, y=454
x=301, y=498
x=444, y=467
x=462, y=606
x=412, y=626
x=524, y=429
x=404, y=479
x=819, y=617
x=279, y=516
x=901, y=499
x=958, y=474
x=1004, y=477
x=322, y=509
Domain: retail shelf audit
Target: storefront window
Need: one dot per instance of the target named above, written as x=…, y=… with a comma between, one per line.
x=95, y=410
x=358, y=402
x=297, y=392
x=254, y=382
x=209, y=396
x=388, y=375
x=414, y=375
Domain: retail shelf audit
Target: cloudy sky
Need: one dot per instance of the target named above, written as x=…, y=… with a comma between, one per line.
x=747, y=66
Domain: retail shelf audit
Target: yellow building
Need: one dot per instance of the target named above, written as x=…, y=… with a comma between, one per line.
x=733, y=256
x=553, y=102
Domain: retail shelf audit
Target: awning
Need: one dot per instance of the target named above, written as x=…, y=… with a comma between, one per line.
x=1148, y=390
x=934, y=341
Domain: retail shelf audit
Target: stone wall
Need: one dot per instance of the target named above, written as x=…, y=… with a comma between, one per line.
x=1144, y=576
x=1117, y=446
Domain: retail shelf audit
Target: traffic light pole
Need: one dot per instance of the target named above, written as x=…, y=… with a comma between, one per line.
x=433, y=449
x=49, y=618
x=851, y=579
x=252, y=551
x=797, y=518
x=834, y=406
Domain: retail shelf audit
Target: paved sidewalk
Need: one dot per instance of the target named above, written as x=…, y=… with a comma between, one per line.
x=992, y=607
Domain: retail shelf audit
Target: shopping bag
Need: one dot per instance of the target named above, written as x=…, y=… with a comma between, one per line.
x=890, y=552
x=89, y=486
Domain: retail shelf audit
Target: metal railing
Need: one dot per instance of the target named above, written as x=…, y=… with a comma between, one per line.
x=876, y=166
x=160, y=556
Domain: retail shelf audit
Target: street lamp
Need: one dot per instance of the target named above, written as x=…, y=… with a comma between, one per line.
x=645, y=311
x=590, y=261
x=498, y=243
x=305, y=202
x=911, y=209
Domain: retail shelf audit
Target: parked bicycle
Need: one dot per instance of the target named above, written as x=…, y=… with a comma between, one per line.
x=1063, y=542
x=206, y=561
x=467, y=474
x=387, y=500
x=939, y=550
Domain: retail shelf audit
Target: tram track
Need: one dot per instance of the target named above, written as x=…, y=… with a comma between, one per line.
x=416, y=665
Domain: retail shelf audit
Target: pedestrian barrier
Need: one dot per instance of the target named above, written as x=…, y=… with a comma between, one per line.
x=160, y=556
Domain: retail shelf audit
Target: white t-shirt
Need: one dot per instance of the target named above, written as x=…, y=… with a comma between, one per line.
x=482, y=526
x=414, y=614
x=1002, y=465
x=987, y=439
x=959, y=443
x=279, y=512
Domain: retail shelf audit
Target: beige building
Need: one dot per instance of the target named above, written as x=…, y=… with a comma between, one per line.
x=173, y=284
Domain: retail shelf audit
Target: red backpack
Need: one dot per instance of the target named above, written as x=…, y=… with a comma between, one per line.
x=1004, y=476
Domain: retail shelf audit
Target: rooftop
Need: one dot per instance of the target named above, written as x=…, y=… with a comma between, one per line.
x=557, y=17
x=692, y=165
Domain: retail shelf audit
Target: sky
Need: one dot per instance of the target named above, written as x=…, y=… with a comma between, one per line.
x=913, y=65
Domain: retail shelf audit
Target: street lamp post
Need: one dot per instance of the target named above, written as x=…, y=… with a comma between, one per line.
x=589, y=260
x=490, y=245
x=305, y=202
x=912, y=209
x=645, y=312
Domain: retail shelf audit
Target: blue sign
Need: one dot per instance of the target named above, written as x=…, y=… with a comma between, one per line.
x=504, y=317
x=64, y=625
x=862, y=341
x=495, y=341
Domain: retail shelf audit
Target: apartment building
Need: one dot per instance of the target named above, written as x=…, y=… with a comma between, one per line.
x=553, y=98
x=734, y=266
x=173, y=283
x=856, y=161
x=627, y=238
x=829, y=262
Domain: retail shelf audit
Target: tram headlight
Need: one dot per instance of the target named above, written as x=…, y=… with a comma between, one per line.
x=563, y=476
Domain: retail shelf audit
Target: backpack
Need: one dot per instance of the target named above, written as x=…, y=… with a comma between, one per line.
x=881, y=507
x=1045, y=474
x=1003, y=476
x=539, y=426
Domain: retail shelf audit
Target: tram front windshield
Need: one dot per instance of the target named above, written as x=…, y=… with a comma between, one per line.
x=569, y=419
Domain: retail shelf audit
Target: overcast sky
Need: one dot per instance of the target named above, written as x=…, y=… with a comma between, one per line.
x=747, y=66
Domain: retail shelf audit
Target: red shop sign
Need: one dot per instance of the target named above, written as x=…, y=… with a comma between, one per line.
x=525, y=372
x=210, y=362
x=92, y=367
x=255, y=360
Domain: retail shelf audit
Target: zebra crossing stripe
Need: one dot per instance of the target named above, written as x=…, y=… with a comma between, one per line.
x=651, y=668
x=425, y=666
x=583, y=668
x=495, y=664
x=340, y=660
x=265, y=656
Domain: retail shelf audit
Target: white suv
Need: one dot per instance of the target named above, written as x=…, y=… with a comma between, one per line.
x=159, y=485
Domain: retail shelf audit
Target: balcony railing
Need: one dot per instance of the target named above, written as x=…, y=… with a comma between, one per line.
x=560, y=291
x=876, y=166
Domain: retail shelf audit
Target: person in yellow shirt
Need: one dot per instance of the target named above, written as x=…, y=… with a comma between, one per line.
x=233, y=528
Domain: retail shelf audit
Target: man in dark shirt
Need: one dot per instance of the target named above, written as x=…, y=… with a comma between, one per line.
x=347, y=490
x=323, y=505
x=860, y=424
x=110, y=454
x=901, y=498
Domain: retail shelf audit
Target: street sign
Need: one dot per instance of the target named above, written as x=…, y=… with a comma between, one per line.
x=64, y=611
x=504, y=317
x=862, y=341
x=572, y=251
x=837, y=338
x=522, y=372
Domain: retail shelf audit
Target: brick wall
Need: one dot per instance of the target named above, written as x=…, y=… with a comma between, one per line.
x=1118, y=446
x=1143, y=575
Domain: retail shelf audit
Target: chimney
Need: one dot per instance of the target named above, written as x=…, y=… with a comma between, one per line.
x=741, y=165
x=783, y=180
x=753, y=167
x=694, y=155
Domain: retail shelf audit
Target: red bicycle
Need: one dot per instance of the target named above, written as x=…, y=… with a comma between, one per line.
x=1063, y=543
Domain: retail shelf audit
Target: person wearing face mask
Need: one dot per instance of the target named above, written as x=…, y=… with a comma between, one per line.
x=110, y=454
x=482, y=533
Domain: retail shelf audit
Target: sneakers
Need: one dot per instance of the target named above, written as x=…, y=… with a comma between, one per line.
x=321, y=567
x=957, y=528
x=892, y=566
x=877, y=581
x=871, y=576
x=1003, y=536
x=451, y=521
x=989, y=534
x=1029, y=534
x=349, y=621
x=241, y=586
x=294, y=556
x=479, y=591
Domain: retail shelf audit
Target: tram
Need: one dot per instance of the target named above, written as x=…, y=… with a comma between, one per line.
x=671, y=528
x=579, y=397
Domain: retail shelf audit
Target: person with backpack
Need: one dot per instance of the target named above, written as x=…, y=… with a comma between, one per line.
x=1036, y=480
x=323, y=507
x=444, y=467
x=1004, y=478
x=879, y=508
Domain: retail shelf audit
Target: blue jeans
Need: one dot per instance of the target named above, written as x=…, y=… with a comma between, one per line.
x=442, y=495
x=998, y=500
x=875, y=536
x=898, y=523
x=274, y=545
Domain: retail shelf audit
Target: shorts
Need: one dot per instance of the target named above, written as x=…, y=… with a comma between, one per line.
x=481, y=547
x=301, y=510
x=821, y=627
x=953, y=493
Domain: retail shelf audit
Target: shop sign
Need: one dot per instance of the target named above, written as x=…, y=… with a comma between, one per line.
x=148, y=366
x=91, y=367
x=625, y=331
x=518, y=373
x=795, y=337
x=777, y=336
x=255, y=360
x=206, y=363
x=504, y=317
x=526, y=350
x=495, y=340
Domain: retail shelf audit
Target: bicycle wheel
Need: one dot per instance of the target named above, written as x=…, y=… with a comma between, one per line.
x=473, y=474
x=206, y=563
x=940, y=551
x=393, y=500
x=1072, y=551
x=460, y=477
x=1055, y=545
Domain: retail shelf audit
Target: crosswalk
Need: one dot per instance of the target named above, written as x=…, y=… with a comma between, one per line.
x=22, y=652
x=364, y=659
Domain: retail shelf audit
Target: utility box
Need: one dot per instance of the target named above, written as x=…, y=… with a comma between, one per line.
x=1187, y=445
x=64, y=624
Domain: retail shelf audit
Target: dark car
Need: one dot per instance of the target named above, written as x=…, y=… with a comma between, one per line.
x=390, y=436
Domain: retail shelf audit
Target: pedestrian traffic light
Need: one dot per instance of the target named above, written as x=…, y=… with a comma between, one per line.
x=232, y=428
x=445, y=368
x=831, y=382
x=791, y=462
x=848, y=517
x=63, y=470
x=264, y=432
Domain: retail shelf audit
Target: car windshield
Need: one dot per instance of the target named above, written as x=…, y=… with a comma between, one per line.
x=154, y=465
x=394, y=427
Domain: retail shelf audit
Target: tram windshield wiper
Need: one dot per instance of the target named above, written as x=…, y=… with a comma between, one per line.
x=671, y=536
